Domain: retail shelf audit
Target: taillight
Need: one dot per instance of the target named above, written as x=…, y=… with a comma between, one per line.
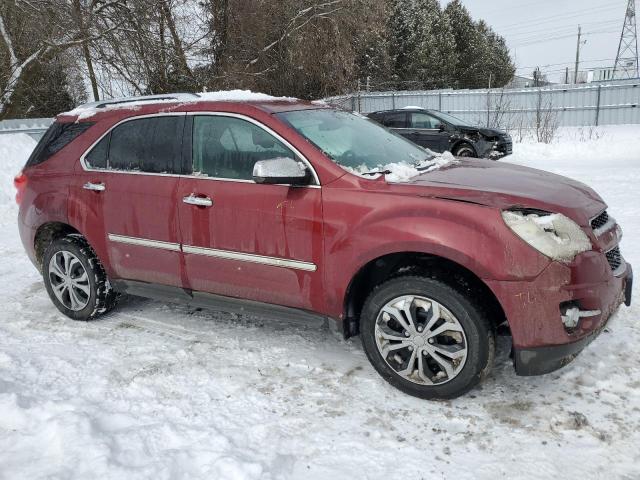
x=20, y=182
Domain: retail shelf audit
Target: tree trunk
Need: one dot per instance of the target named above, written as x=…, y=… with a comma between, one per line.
x=77, y=10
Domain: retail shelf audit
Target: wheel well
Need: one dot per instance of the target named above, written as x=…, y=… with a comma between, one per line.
x=459, y=143
x=410, y=263
x=47, y=233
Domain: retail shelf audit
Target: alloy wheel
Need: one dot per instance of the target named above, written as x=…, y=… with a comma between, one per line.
x=69, y=280
x=421, y=340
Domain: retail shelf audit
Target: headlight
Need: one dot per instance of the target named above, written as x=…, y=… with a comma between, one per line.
x=552, y=234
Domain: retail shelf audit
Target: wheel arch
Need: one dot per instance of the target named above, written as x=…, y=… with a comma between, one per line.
x=49, y=232
x=461, y=142
x=392, y=265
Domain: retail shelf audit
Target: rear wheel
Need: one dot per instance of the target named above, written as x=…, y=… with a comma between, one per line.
x=426, y=338
x=464, y=150
x=75, y=279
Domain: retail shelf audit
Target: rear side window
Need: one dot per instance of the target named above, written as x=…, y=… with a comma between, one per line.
x=150, y=145
x=395, y=120
x=58, y=136
x=97, y=157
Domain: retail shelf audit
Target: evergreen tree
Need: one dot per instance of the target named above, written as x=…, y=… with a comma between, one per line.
x=481, y=54
x=436, y=52
x=44, y=93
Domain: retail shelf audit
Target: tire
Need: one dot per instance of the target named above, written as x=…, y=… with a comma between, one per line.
x=464, y=150
x=92, y=293
x=475, y=334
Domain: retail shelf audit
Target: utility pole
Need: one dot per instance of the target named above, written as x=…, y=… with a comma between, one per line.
x=575, y=75
x=627, y=58
x=566, y=76
x=489, y=101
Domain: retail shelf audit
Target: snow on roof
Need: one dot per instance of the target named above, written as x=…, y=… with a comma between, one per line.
x=411, y=107
x=134, y=103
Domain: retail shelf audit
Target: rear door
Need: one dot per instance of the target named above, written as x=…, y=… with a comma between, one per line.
x=242, y=239
x=124, y=197
x=424, y=130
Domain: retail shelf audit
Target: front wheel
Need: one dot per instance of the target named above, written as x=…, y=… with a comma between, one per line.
x=426, y=338
x=464, y=150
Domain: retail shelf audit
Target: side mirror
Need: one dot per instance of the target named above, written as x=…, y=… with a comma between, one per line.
x=440, y=127
x=280, y=170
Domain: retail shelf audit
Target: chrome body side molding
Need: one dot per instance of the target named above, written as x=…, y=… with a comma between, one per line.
x=249, y=257
x=212, y=252
x=143, y=242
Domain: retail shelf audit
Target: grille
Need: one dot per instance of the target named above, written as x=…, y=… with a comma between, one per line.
x=614, y=258
x=600, y=220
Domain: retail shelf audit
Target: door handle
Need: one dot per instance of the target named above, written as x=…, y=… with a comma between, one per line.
x=95, y=187
x=198, y=201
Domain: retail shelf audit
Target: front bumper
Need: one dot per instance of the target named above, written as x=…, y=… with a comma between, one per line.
x=541, y=342
x=542, y=360
x=503, y=147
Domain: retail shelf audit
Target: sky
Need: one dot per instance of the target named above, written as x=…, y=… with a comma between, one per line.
x=544, y=32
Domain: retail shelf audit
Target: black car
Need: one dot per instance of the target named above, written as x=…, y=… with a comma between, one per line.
x=440, y=132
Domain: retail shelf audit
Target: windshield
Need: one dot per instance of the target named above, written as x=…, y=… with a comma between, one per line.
x=353, y=141
x=453, y=120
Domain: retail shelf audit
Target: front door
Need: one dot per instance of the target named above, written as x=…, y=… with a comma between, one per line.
x=425, y=130
x=241, y=239
x=124, y=199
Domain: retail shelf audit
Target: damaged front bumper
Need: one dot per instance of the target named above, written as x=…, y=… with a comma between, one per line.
x=545, y=337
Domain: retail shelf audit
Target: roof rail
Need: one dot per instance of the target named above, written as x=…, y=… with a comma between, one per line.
x=145, y=98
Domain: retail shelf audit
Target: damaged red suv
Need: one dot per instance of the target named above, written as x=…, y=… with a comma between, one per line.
x=286, y=208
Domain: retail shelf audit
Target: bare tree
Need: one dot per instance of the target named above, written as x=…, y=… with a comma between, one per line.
x=546, y=121
x=499, y=107
x=52, y=31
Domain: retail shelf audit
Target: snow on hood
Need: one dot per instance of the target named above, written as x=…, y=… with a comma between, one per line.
x=90, y=109
x=402, y=172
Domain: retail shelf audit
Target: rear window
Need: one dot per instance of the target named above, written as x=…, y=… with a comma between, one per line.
x=58, y=136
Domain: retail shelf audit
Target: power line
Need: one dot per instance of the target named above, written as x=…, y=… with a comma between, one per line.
x=552, y=18
x=559, y=29
x=537, y=40
x=569, y=63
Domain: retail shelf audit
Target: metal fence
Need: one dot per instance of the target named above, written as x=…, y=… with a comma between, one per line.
x=613, y=103
x=34, y=127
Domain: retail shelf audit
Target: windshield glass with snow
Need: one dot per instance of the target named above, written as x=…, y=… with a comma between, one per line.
x=353, y=141
x=453, y=120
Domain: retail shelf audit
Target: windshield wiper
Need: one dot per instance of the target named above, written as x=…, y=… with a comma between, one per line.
x=377, y=172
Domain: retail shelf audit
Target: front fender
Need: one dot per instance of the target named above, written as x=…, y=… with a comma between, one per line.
x=473, y=236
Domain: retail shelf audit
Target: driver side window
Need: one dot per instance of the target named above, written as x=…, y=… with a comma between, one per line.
x=422, y=120
x=228, y=147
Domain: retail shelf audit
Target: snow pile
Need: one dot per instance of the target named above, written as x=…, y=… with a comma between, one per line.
x=574, y=148
x=403, y=172
x=14, y=152
x=90, y=109
x=155, y=390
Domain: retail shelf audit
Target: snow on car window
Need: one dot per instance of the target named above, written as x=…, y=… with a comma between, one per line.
x=362, y=146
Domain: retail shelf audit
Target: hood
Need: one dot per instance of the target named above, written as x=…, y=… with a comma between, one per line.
x=504, y=185
x=487, y=132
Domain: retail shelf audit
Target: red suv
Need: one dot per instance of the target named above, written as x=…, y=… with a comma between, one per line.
x=281, y=207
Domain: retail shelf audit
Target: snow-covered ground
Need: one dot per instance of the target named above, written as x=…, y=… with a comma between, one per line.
x=162, y=391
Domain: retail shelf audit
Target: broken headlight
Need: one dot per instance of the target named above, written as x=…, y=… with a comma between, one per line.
x=552, y=234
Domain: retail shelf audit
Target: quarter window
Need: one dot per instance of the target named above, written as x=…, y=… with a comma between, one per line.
x=228, y=147
x=150, y=145
x=97, y=157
